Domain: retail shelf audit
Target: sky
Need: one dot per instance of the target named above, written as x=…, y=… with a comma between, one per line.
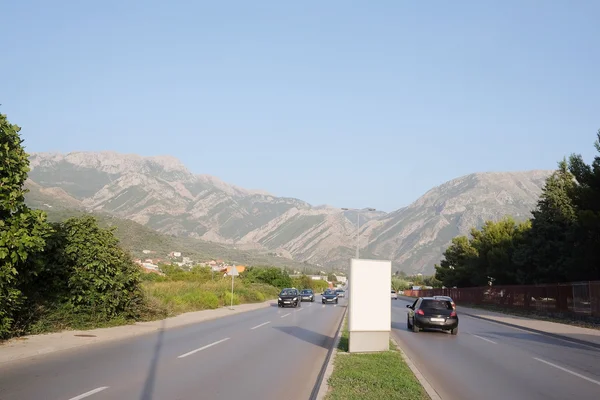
x=345, y=103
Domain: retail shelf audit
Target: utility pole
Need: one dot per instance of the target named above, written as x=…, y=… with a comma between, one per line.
x=358, y=211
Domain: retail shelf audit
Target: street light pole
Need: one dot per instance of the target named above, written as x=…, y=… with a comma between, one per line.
x=358, y=211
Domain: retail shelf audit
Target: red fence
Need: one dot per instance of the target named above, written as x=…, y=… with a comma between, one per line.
x=577, y=298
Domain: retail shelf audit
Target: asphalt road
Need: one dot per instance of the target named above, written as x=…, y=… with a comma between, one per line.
x=265, y=354
x=490, y=361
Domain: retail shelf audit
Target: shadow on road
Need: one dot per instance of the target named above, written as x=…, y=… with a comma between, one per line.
x=307, y=336
x=151, y=378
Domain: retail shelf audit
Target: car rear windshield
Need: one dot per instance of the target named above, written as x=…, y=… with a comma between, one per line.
x=437, y=304
x=288, y=292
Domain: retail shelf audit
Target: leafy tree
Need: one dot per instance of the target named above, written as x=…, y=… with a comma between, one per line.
x=268, y=275
x=496, y=244
x=22, y=231
x=457, y=266
x=544, y=256
x=101, y=277
x=400, y=284
x=586, y=230
x=331, y=278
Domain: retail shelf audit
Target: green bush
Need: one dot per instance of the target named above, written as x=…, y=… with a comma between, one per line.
x=268, y=275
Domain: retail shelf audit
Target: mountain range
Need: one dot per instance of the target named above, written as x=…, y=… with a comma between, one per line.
x=162, y=194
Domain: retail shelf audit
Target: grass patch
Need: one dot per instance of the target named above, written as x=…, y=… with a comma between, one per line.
x=162, y=299
x=374, y=376
x=184, y=296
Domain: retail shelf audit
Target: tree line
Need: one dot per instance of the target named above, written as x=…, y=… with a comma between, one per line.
x=559, y=243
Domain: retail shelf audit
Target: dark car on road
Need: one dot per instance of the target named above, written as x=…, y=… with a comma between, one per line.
x=432, y=313
x=307, y=295
x=289, y=297
x=329, y=296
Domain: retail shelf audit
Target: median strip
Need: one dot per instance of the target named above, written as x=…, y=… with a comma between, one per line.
x=202, y=348
x=376, y=376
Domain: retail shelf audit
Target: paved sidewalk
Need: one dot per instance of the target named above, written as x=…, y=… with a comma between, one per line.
x=578, y=334
x=28, y=346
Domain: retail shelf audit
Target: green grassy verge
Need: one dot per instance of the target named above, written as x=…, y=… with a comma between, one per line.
x=178, y=297
x=374, y=376
x=163, y=299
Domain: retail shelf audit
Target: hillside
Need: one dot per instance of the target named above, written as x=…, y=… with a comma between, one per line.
x=160, y=193
x=136, y=238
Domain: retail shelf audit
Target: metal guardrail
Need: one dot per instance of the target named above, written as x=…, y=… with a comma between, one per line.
x=575, y=298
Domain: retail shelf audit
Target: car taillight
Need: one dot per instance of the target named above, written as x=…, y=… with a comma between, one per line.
x=453, y=314
x=420, y=312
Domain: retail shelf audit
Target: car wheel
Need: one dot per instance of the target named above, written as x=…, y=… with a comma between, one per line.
x=415, y=328
x=454, y=331
x=408, y=326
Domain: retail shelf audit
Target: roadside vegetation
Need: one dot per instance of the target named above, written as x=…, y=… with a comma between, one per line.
x=73, y=273
x=375, y=376
x=560, y=243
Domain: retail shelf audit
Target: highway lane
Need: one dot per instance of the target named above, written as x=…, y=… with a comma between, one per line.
x=491, y=361
x=262, y=354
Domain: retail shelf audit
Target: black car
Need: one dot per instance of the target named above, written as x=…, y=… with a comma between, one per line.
x=329, y=296
x=289, y=297
x=307, y=295
x=432, y=313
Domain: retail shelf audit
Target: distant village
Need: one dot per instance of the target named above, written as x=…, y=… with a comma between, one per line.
x=151, y=265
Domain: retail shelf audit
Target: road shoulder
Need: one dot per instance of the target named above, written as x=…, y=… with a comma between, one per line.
x=35, y=345
x=324, y=384
x=576, y=334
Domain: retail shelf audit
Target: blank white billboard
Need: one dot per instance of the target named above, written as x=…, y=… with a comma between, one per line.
x=369, y=295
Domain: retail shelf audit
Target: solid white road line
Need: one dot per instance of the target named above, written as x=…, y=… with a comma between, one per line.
x=482, y=338
x=202, y=348
x=263, y=324
x=91, y=392
x=568, y=371
x=283, y=316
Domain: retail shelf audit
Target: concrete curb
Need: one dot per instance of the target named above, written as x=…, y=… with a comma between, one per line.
x=35, y=345
x=326, y=372
x=428, y=388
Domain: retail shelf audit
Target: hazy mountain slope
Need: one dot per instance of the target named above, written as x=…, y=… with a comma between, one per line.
x=416, y=235
x=161, y=193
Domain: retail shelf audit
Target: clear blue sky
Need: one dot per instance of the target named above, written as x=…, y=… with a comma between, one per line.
x=347, y=103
